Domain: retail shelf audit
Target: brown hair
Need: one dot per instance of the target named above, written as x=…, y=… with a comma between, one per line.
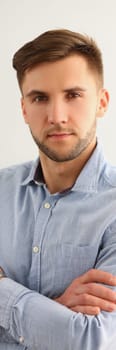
x=54, y=45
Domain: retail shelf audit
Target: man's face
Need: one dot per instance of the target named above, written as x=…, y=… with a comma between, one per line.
x=60, y=103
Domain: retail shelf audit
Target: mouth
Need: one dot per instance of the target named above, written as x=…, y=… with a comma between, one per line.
x=59, y=136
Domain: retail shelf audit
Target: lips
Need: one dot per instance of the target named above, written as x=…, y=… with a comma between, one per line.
x=59, y=137
x=59, y=134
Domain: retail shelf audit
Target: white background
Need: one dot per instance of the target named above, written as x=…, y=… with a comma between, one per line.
x=22, y=21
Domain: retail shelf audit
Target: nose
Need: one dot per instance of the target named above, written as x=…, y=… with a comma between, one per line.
x=57, y=112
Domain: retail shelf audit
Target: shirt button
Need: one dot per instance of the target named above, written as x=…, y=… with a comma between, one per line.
x=21, y=340
x=35, y=249
x=47, y=205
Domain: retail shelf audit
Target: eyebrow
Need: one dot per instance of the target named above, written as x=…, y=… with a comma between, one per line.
x=75, y=88
x=39, y=92
x=35, y=92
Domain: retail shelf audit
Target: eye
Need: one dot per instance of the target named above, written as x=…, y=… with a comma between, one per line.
x=39, y=98
x=72, y=95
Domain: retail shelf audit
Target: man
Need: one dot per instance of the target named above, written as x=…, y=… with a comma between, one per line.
x=58, y=214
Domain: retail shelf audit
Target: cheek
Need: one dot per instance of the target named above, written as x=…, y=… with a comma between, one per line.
x=34, y=114
x=84, y=116
x=87, y=110
x=36, y=121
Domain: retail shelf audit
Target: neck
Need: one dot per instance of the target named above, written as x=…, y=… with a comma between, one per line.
x=61, y=176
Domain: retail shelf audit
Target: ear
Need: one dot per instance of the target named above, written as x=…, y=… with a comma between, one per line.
x=103, y=101
x=23, y=107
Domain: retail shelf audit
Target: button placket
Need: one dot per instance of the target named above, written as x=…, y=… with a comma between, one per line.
x=47, y=205
x=21, y=339
x=39, y=233
x=35, y=249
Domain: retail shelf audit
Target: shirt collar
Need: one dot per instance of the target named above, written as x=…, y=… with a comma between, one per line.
x=35, y=174
x=88, y=179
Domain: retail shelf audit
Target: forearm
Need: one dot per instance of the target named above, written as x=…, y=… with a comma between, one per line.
x=9, y=346
x=44, y=324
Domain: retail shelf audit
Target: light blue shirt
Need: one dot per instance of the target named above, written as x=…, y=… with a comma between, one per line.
x=46, y=241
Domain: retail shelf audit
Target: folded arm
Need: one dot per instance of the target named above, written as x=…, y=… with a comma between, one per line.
x=88, y=295
x=40, y=323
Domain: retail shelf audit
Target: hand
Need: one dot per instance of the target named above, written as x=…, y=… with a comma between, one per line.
x=86, y=294
x=2, y=273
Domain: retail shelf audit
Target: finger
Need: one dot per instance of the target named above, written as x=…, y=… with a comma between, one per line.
x=96, y=290
x=89, y=300
x=95, y=275
x=88, y=310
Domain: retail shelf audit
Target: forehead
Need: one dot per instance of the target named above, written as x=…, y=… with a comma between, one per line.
x=72, y=70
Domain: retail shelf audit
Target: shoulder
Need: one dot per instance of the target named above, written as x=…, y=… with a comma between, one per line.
x=110, y=175
x=16, y=173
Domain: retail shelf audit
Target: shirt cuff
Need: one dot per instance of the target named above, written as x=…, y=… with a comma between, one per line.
x=9, y=291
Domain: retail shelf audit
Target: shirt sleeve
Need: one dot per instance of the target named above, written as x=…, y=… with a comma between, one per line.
x=38, y=322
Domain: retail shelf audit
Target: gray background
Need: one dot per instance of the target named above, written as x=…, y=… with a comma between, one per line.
x=21, y=21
